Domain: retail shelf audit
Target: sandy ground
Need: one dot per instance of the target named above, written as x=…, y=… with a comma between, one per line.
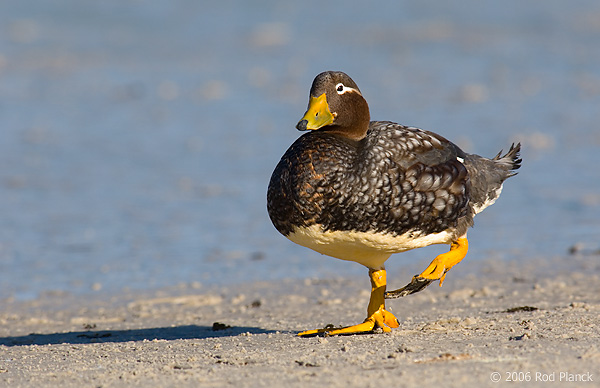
x=535, y=323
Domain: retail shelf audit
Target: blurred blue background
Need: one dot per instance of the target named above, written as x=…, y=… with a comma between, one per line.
x=137, y=138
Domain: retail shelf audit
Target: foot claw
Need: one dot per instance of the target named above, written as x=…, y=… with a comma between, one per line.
x=416, y=284
x=442, y=278
x=314, y=333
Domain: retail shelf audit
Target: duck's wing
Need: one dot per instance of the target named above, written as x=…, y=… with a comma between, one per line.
x=428, y=183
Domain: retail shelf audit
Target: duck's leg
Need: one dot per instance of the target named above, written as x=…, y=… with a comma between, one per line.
x=377, y=315
x=436, y=270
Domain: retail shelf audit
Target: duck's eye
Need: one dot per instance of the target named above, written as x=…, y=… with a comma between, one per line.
x=341, y=89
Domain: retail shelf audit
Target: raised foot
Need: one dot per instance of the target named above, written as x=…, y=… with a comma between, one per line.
x=380, y=319
x=435, y=271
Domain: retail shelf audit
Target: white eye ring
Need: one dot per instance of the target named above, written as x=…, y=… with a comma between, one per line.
x=341, y=88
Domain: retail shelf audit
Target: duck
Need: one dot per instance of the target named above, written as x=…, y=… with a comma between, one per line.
x=361, y=190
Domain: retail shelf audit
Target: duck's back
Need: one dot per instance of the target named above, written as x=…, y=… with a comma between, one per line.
x=397, y=180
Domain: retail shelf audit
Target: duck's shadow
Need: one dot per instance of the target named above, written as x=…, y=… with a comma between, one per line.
x=158, y=333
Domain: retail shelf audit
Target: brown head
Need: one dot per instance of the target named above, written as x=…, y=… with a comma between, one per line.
x=337, y=106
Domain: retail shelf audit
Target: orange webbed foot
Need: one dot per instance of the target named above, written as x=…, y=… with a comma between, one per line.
x=378, y=316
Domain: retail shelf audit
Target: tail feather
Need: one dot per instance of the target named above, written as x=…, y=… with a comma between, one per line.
x=488, y=175
x=511, y=160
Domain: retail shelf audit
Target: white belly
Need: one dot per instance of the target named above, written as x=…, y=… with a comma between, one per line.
x=367, y=248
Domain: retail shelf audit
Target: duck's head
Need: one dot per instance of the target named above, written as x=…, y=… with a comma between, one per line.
x=336, y=105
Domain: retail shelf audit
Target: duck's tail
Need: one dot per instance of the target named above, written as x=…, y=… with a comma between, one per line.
x=511, y=161
x=488, y=175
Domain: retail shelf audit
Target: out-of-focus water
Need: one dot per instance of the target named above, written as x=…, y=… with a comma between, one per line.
x=137, y=138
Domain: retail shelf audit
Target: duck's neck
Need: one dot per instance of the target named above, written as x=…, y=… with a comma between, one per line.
x=356, y=125
x=356, y=133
